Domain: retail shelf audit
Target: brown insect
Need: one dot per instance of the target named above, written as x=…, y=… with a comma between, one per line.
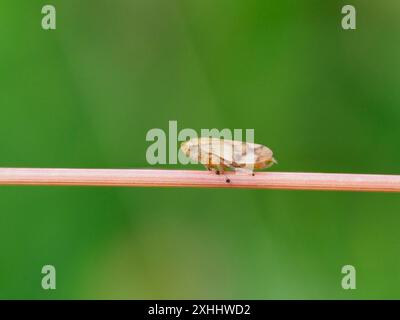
x=220, y=154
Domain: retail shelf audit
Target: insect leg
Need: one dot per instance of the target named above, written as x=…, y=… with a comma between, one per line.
x=220, y=170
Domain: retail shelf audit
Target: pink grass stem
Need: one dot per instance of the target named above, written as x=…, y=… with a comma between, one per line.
x=201, y=179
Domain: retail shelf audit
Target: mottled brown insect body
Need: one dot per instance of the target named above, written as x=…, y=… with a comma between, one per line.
x=220, y=154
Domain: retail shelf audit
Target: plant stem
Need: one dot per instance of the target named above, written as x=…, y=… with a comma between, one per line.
x=202, y=179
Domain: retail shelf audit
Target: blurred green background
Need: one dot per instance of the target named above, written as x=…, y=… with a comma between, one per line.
x=86, y=94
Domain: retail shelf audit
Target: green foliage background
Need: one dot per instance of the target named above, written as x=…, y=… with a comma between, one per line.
x=85, y=95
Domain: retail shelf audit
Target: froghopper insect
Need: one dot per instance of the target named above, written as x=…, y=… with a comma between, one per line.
x=221, y=154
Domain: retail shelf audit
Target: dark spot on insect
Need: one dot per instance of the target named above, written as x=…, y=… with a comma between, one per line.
x=228, y=180
x=217, y=172
x=253, y=174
